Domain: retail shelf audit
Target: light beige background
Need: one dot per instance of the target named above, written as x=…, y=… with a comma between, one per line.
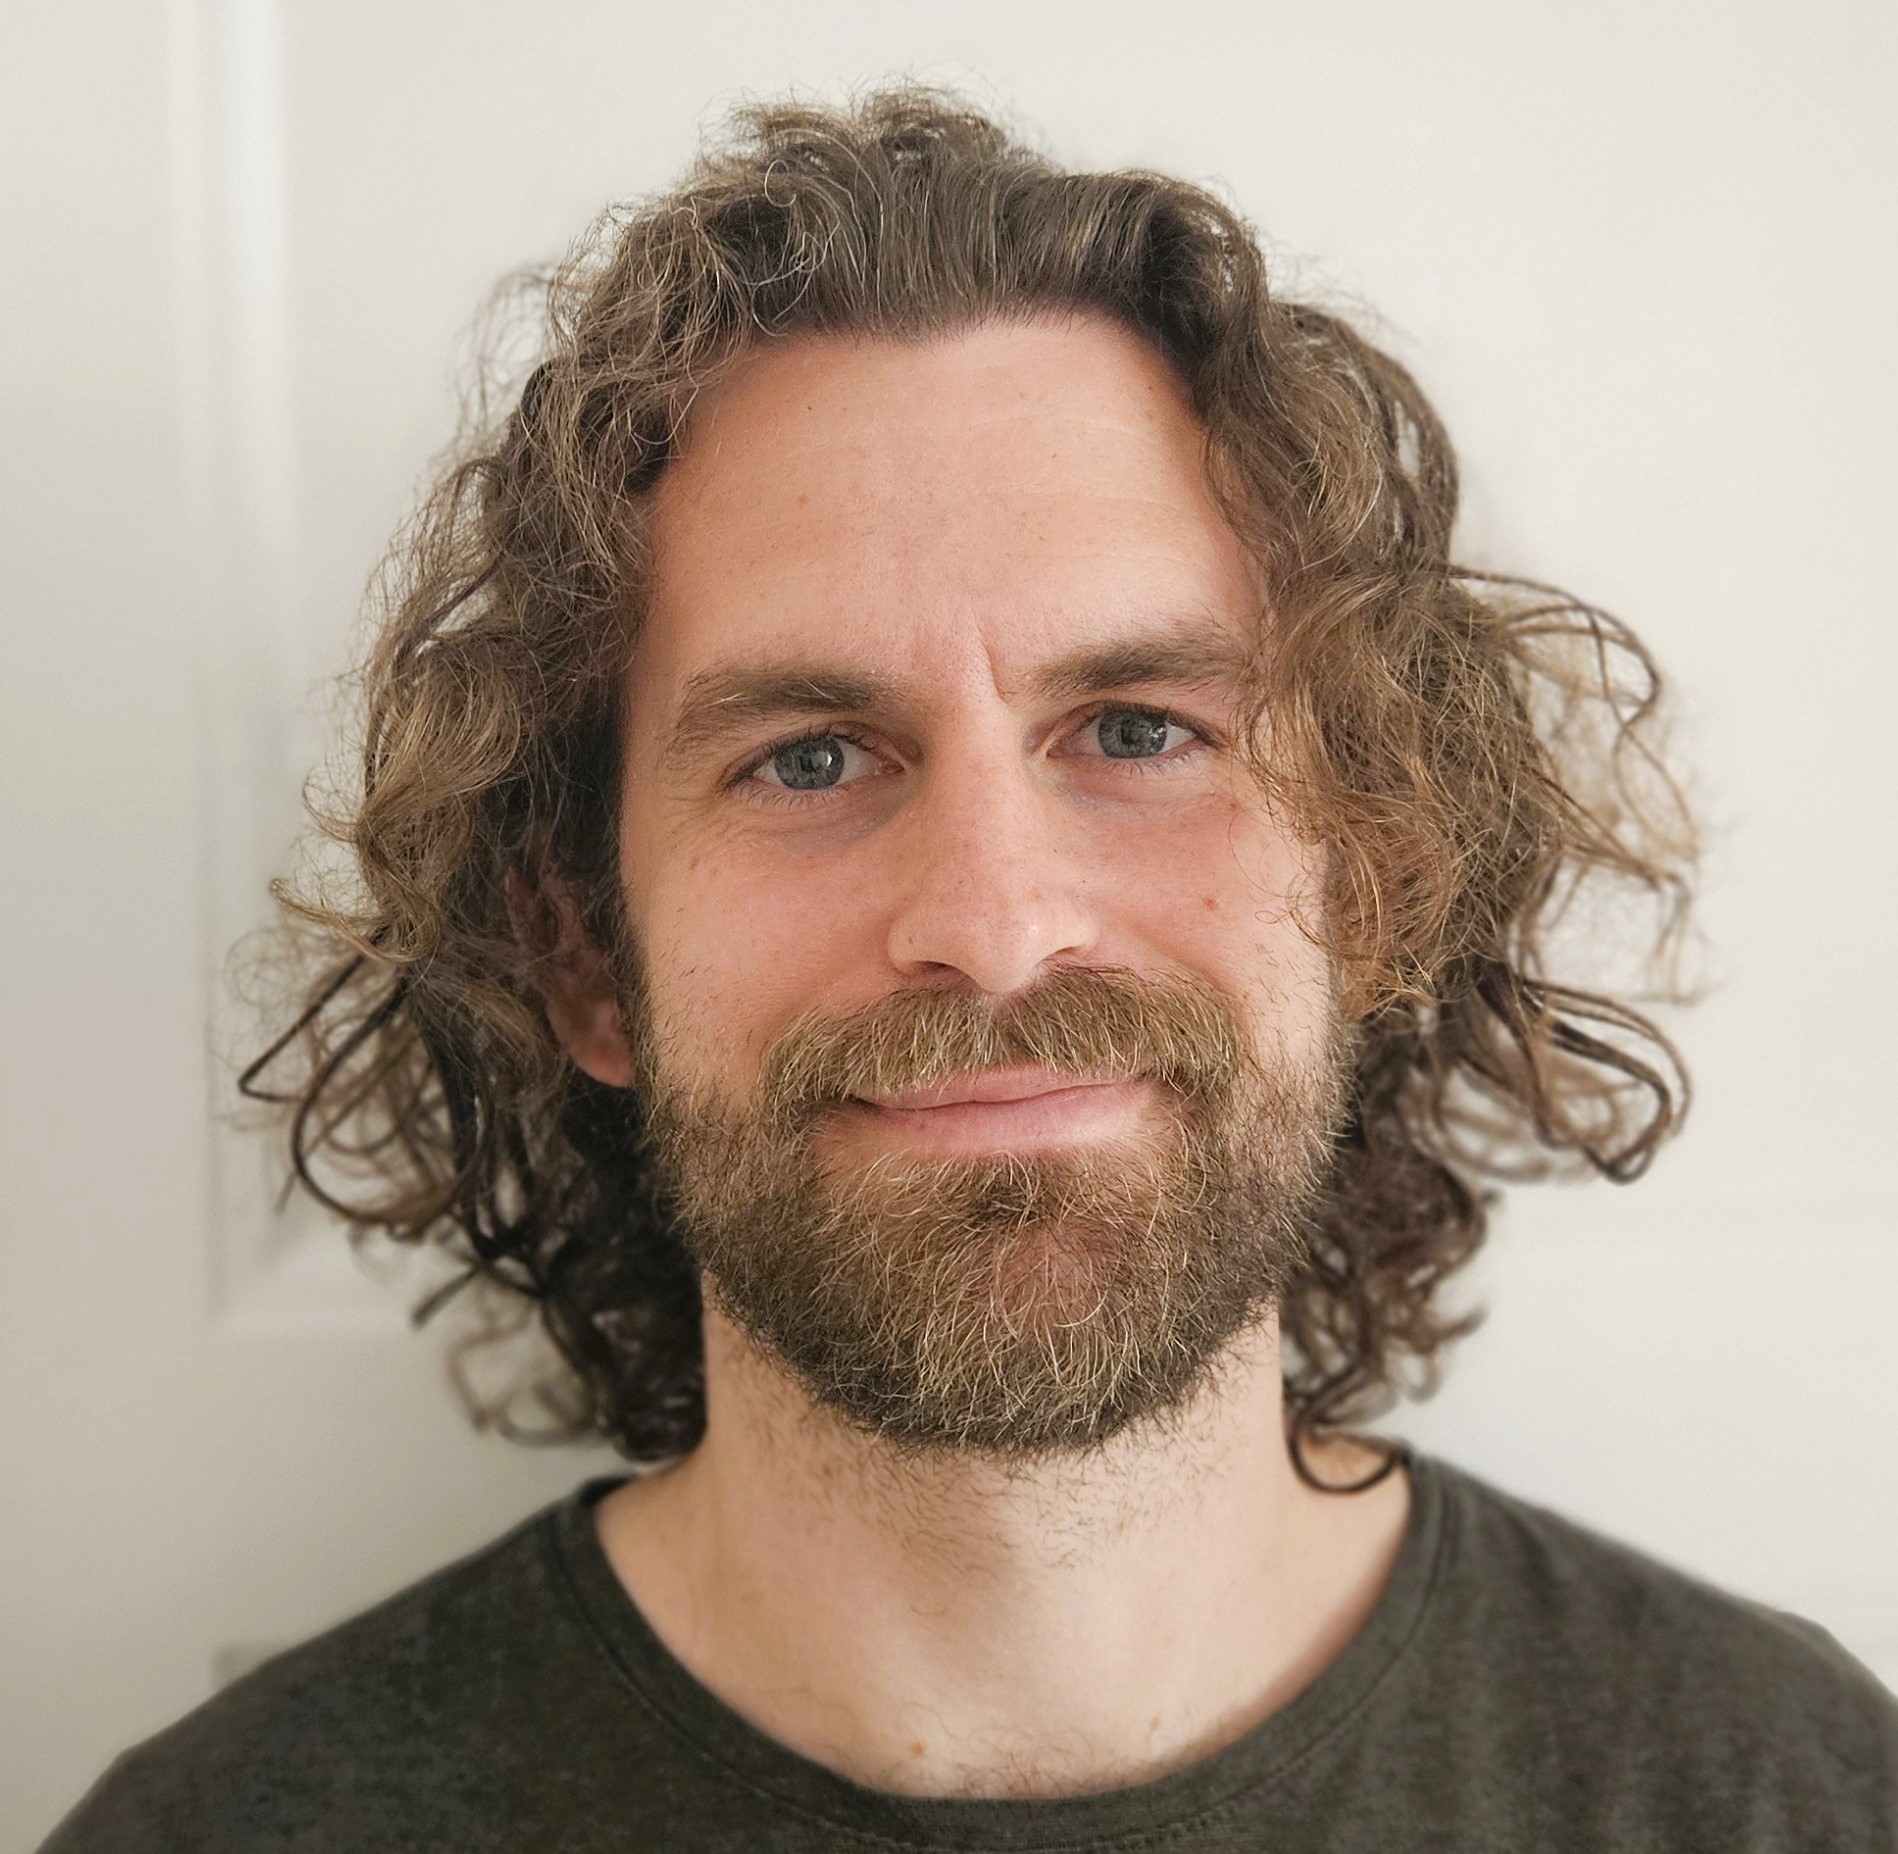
x=1642, y=254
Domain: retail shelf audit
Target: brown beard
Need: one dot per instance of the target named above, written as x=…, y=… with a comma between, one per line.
x=1022, y=1305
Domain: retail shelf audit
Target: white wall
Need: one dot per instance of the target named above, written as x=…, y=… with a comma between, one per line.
x=1642, y=256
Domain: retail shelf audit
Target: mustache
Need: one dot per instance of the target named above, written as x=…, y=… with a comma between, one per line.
x=1095, y=1022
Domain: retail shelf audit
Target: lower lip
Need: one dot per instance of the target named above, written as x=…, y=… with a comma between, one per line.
x=1061, y=1117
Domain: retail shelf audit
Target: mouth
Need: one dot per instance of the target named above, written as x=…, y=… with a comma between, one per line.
x=987, y=1087
x=1007, y=1109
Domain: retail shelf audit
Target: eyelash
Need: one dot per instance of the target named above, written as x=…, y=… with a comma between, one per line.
x=741, y=779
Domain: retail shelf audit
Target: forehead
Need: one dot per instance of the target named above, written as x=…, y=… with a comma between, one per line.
x=1008, y=492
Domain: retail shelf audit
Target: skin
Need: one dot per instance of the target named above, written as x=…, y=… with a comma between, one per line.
x=951, y=518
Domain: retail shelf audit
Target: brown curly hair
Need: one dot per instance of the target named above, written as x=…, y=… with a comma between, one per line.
x=1472, y=748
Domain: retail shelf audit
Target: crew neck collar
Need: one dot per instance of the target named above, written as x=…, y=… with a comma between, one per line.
x=1197, y=1795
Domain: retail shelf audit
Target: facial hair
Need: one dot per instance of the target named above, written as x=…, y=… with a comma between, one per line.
x=1013, y=1304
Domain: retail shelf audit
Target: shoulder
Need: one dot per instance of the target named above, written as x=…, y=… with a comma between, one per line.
x=1668, y=1682
x=370, y=1711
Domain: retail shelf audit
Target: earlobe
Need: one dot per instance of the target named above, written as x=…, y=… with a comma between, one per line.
x=587, y=1022
x=583, y=1005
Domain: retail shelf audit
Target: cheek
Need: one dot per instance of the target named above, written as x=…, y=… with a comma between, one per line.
x=734, y=952
x=1240, y=887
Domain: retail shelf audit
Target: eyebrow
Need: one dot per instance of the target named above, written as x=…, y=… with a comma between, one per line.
x=718, y=703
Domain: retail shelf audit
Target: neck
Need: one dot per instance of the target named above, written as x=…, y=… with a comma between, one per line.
x=946, y=1624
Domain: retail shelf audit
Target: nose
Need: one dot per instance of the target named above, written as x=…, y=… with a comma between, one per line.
x=992, y=890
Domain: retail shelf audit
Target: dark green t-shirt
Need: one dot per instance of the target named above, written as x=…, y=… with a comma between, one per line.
x=1522, y=1685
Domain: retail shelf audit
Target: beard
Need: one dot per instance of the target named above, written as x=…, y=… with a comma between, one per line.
x=1022, y=1305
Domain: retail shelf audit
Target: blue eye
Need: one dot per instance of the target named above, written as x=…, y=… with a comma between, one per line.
x=810, y=765
x=834, y=759
x=1133, y=733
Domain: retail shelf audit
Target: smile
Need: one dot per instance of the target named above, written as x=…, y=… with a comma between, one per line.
x=1005, y=1109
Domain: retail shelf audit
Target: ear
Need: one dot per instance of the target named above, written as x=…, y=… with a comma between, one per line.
x=582, y=1001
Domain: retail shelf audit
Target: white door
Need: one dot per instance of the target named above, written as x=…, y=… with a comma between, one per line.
x=219, y=1434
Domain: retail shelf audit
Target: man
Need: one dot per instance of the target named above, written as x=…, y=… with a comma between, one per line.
x=955, y=885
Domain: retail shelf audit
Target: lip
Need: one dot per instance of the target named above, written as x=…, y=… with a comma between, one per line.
x=988, y=1086
x=1013, y=1110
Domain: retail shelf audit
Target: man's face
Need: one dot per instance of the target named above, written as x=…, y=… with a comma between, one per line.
x=973, y=1022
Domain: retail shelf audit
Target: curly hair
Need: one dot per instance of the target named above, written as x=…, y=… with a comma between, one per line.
x=1473, y=749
